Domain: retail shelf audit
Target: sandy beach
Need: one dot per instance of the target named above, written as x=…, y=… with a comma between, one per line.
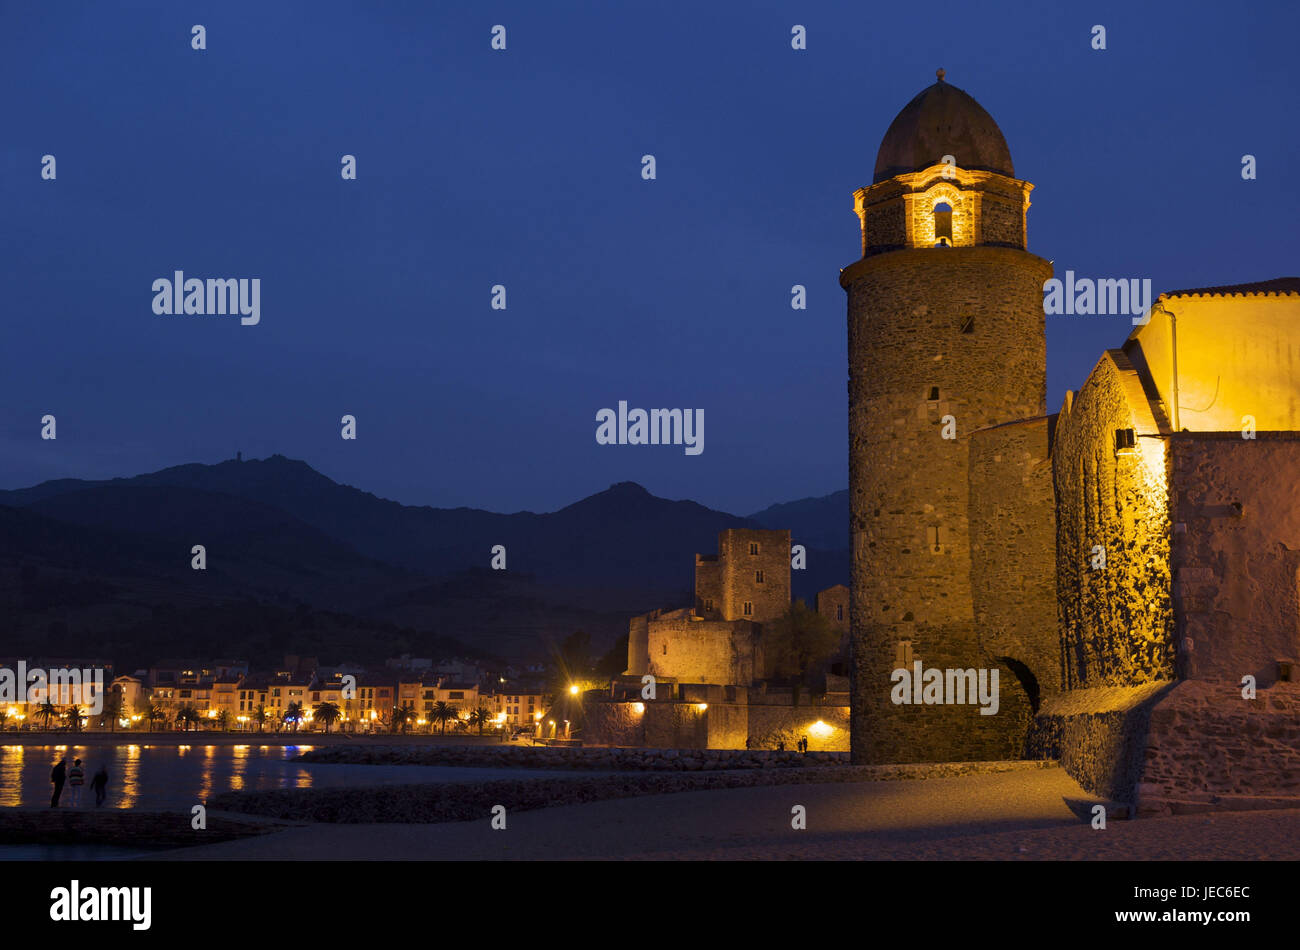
x=1003, y=816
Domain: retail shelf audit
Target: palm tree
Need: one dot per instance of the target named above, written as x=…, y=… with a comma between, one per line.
x=188, y=716
x=149, y=712
x=45, y=712
x=72, y=716
x=223, y=719
x=260, y=717
x=443, y=712
x=293, y=714
x=4, y=718
x=157, y=716
x=145, y=709
x=112, y=708
x=480, y=717
x=403, y=716
x=327, y=713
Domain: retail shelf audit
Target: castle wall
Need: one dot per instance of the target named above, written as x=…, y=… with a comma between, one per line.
x=772, y=724
x=1236, y=568
x=1099, y=734
x=714, y=725
x=1206, y=741
x=768, y=598
x=704, y=651
x=833, y=604
x=675, y=726
x=909, y=487
x=727, y=725
x=1013, y=549
x=708, y=587
x=1116, y=621
x=614, y=724
x=638, y=644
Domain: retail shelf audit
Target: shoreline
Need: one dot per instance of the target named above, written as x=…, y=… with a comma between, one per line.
x=435, y=803
x=91, y=739
x=146, y=830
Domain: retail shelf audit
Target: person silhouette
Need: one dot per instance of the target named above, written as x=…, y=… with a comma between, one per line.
x=76, y=778
x=100, y=785
x=58, y=775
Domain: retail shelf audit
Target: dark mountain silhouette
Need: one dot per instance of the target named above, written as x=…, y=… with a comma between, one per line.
x=821, y=523
x=280, y=533
x=624, y=537
x=252, y=550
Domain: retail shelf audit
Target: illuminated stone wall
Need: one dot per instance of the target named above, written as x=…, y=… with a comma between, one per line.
x=1099, y=735
x=1116, y=621
x=615, y=724
x=770, y=597
x=1166, y=744
x=909, y=487
x=638, y=643
x=688, y=725
x=705, y=651
x=1013, y=549
x=727, y=725
x=675, y=726
x=708, y=587
x=771, y=725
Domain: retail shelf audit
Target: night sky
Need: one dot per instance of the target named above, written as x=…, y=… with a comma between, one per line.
x=523, y=168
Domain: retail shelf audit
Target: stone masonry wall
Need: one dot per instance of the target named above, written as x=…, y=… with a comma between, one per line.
x=638, y=643
x=1206, y=741
x=675, y=726
x=614, y=724
x=1013, y=548
x=678, y=725
x=770, y=725
x=909, y=487
x=728, y=725
x=1116, y=621
x=833, y=604
x=1099, y=735
x=768, y=598
x=1236, y=554
x=704, y=651
x=708, y=586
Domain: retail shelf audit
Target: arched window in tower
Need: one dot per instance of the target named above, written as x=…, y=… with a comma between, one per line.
x=943, y=224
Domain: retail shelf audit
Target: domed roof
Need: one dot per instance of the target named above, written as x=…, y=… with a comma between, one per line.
x=942, y=120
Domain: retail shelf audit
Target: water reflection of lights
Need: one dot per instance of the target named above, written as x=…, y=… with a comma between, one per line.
x=148, y=776
x=205, y=778
x=11, y=775
x=128, y=784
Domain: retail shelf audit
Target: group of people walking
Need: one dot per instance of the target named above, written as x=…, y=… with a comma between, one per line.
x=75, y=778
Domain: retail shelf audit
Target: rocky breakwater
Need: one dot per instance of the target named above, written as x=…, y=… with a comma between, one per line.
x=598, y=759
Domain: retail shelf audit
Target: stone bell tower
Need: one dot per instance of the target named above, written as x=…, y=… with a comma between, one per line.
x=946, y=336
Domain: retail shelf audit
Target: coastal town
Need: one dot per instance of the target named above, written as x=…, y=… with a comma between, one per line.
x=407, y=695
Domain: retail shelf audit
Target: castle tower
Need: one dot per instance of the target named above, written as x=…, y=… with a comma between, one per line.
x=946, y=336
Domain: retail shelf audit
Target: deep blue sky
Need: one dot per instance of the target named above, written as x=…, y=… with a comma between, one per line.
x=523, y=168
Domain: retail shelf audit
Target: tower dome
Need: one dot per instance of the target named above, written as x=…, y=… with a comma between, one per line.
x=942, y=120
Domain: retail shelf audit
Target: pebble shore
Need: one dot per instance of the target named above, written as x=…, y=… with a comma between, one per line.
x=671, y=771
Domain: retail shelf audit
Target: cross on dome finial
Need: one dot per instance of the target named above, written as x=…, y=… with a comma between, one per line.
x=940, y=73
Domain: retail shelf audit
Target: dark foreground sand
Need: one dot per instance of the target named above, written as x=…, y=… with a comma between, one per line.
x=1006, y=816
